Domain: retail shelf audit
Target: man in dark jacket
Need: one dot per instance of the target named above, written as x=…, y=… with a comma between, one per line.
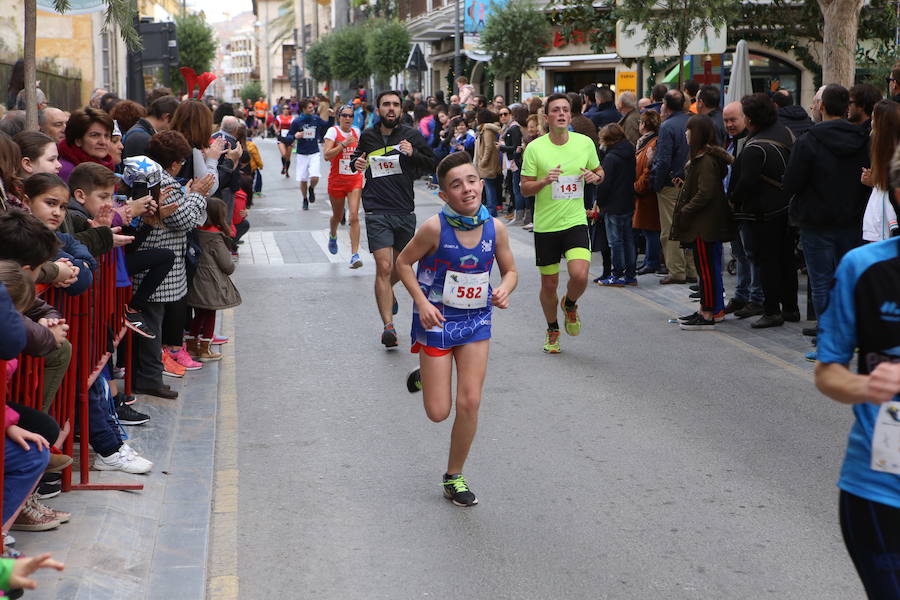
x=863, y=97
x=748, y=294
x=606, y=108
x=668, y=176
x=708, y=99
x=615, y=197
x=828, y=199
x=761, y=205
x=790, y=115
x=393, y=156
x=656, y=95
x=159, y=115
x=588, y=97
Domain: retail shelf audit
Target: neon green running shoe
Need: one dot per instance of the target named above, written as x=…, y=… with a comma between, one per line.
x=457, y=490
x=551, y=342
x=573, y=321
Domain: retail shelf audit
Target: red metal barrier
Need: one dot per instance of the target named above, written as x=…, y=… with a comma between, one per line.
x=96, y=327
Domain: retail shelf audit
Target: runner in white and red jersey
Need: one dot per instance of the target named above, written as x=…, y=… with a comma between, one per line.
x=343, y=183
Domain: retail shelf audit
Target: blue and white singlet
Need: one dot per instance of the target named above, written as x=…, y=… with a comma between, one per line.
x=456, y=280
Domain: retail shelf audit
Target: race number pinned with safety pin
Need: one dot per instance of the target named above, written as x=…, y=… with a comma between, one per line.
x=285, y=133
x=886, y=439
x=465, y=290
x=568, y=187
x=385, y=165
x=309, y=133
x=344, y=167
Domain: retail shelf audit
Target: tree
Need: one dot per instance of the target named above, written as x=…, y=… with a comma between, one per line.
x=515, y=36
x=387, y=48
x=672, y=23
x=196, y=45
x=119, y=12
x=344, y=56
x=839, y=35
x=318, y=59
x=251, y=91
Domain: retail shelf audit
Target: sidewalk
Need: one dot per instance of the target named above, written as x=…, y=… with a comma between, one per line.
x=150, y=543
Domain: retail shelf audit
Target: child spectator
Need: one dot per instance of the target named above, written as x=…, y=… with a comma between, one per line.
x=14, y=572
x=256, y=165
x=32, y=518
x=211, y=288
x=39, y=153
x=243, y=198
x=181, y=209
x=27, y=241
x=463, y=140
x=10, y=183
x=141, y=173
x=89, y=211
x=46, y=196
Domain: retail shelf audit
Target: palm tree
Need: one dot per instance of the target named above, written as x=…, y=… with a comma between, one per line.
x=119, y=12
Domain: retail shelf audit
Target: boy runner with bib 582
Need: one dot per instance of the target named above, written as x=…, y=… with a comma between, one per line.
x=453, y=298
x=554, y=170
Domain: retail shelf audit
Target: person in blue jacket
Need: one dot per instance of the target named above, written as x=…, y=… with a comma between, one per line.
x=12, y=342
x=862, y=320
x=309, y=160
x=462, y=139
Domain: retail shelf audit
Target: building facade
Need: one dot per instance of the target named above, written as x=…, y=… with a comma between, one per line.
x=569, y=65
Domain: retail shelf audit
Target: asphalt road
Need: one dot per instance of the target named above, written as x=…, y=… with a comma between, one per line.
x=641, y=462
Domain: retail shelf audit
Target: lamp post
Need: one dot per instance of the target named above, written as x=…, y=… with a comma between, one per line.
x=457, y=46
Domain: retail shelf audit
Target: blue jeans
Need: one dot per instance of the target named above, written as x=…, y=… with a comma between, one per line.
x=654, y=250
x=22, y=469
x=518, y=198
x=621, y=243
x=749, y=281
x=490, y=195
x=823, y=250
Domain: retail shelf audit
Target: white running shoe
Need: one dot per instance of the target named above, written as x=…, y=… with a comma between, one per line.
x=125, y=459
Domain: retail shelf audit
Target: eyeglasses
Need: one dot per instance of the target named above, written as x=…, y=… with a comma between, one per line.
x=504, y=114
x=346, y=116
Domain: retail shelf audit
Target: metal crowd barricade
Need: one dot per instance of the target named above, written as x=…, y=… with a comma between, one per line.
x=96, y=328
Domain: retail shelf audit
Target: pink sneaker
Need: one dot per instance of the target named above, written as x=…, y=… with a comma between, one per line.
x=185, y=360
x=219, y=339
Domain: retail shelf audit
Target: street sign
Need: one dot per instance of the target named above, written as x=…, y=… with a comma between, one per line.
x=626, y=81
x=416, y=59
x=708, y=41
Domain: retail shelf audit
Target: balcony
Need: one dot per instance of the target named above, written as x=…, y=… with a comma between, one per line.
x=433, y=25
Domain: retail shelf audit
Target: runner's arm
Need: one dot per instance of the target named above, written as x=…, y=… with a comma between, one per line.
x=331, y=148
x=509, y=277
x=532, y=185
x=838, y=383
x=424, y=242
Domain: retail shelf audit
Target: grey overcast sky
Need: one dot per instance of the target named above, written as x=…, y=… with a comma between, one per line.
x=215, y=9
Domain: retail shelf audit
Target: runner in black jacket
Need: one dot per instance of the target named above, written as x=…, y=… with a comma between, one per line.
x=393, y=156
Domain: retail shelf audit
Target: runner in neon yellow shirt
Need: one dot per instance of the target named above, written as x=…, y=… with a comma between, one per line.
x=555, y=169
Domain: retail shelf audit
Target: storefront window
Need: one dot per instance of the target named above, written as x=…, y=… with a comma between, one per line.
x=765, y=71
x=575, y=81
